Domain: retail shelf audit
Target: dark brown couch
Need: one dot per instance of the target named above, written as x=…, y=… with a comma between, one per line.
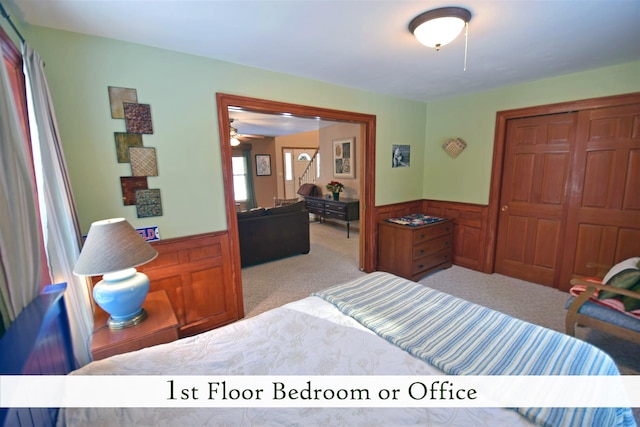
x=273, y=233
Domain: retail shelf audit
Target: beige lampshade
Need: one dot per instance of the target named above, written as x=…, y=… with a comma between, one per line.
x=112, y=245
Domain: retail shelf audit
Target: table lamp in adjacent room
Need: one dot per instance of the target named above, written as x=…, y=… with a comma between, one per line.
x=113, y=249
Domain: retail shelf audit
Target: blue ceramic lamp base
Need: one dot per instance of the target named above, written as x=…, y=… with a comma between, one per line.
x=121, y=294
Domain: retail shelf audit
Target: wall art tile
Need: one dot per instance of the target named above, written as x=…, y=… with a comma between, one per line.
x=123, y=142
x=148, y=203
x=129, y=186
x=137, y=118
x=119, y=95
x=143, y=161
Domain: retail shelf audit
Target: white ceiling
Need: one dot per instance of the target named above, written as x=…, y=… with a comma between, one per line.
x=365, y=44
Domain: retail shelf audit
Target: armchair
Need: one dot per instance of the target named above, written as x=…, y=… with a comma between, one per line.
x=586, y=310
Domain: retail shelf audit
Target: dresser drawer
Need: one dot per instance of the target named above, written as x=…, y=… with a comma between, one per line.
x=338, y=207
x=430, y=232
x=335, y=215
x=431, y=246
x=431, y=260
x=315, y=204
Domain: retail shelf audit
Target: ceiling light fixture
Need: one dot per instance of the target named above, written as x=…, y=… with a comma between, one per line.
x=438, y=27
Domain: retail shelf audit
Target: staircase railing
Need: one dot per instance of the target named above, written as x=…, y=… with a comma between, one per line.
x=309, y=175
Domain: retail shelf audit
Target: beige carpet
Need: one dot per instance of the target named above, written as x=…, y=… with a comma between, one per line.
x=334, y=259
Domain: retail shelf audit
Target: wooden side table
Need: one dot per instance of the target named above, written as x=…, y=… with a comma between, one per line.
x=413, y=252
x=160, y=326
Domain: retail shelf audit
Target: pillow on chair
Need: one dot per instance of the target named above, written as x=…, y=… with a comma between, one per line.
x=624, y=275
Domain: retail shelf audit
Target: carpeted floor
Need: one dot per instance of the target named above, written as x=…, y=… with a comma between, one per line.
x=334, y=259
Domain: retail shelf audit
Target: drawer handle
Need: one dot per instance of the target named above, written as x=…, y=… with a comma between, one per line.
x=421, y=251
x=446, y=243
x=422, y=236
x=421, y=265
x=446, y=229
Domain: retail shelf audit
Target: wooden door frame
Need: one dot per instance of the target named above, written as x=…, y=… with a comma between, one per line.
x=499, y=148
x=367, y=203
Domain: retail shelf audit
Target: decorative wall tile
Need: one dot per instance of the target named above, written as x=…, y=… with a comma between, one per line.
x=148, y=203
x=119, y=95
x=137, y=118
x=123, y=142
x=143, y=161
x=129, y=186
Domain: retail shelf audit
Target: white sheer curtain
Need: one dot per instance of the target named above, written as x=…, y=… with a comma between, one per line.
x=61, y=230
x=19, y=236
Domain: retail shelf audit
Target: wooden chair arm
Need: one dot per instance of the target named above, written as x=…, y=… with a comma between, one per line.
x=604, y=287
x=601, y=269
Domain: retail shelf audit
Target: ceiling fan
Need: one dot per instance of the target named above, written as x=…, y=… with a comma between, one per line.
x=237, y=138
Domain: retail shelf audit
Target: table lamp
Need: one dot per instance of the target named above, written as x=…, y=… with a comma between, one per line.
x=113, y=249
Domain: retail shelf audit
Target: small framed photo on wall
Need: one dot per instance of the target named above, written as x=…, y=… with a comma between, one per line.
x=263, y=164
x=344, y=158
x=400, y=156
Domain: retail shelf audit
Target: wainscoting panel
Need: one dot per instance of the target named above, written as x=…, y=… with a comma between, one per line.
x=195, y=273
x=469, y=232
x=470, y=227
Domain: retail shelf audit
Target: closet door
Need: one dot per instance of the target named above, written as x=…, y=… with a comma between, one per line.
x=533, y=199
x=603, y=223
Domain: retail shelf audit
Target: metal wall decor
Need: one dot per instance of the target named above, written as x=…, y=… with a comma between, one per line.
x=130, y=149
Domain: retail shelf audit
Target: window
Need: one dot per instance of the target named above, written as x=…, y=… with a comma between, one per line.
x=239, y=178
x=304, y=157
x=288, y=166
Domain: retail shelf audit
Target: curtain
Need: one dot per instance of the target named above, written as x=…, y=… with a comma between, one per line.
x=62, y=236
x=251, y=192
x=19, y=229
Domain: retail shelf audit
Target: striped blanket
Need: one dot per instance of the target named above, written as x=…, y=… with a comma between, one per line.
x=462, y=338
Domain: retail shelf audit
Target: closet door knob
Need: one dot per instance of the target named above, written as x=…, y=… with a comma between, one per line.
x=504, y=208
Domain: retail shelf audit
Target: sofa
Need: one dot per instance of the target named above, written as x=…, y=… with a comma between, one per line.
x=273, y=233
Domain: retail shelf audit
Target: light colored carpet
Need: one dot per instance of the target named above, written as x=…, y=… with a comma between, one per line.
x=333, y=259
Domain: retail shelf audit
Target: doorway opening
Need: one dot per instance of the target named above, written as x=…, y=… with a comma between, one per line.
x=367, y=246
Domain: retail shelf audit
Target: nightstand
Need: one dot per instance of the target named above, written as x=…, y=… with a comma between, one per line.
x=160, y=326
x=414, y=252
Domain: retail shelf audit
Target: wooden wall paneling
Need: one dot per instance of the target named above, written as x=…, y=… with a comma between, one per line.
x=470, y=226
x=195, y=273
x=469, y=232
x=380, y=213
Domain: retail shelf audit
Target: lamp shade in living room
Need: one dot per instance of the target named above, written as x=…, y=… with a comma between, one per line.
x=113, y=249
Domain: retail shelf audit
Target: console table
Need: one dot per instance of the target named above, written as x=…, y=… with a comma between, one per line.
x=345, y=210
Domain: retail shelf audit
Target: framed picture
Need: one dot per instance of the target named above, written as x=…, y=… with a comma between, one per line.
x=400, y=156
x=344, y=158
x=263, y=164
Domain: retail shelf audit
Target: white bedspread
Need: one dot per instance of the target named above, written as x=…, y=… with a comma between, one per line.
x=307, y=337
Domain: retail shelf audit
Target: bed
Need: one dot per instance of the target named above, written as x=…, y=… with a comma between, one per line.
x=378, y=324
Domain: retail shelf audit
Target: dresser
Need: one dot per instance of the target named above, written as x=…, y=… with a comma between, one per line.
x=345, y=209
x=412, y=252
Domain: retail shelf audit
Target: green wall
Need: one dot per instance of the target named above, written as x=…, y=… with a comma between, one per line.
x=181, y=90
x=467, y=178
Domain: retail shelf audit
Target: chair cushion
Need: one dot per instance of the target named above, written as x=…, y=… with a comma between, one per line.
x=600, y=312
